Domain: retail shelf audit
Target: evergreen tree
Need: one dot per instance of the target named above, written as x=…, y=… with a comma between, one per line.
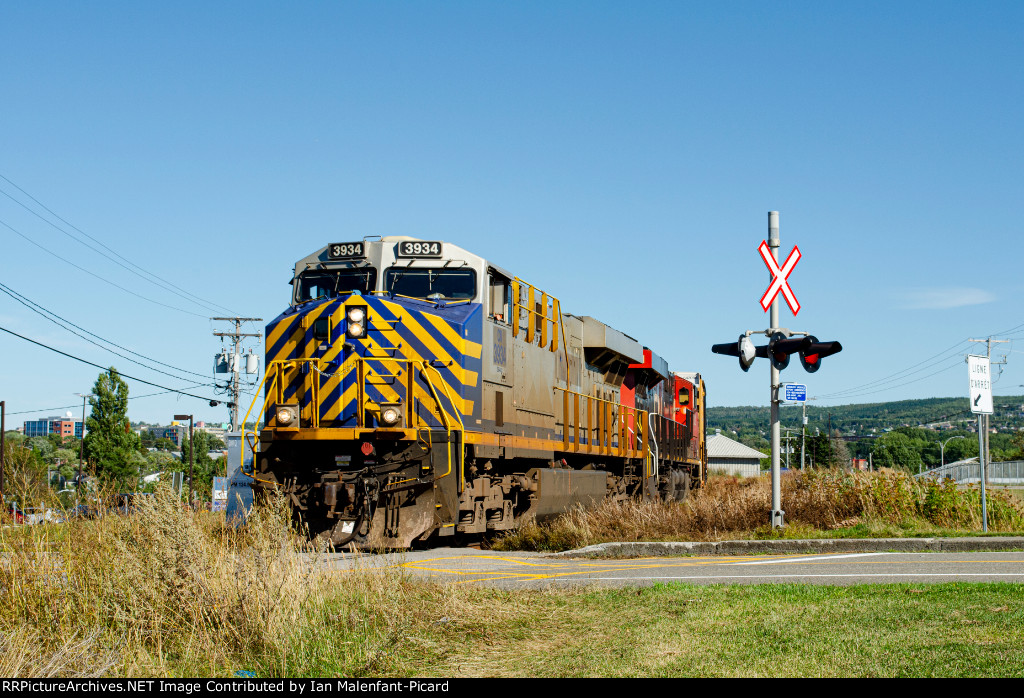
x=840, y=457
x=110, y=441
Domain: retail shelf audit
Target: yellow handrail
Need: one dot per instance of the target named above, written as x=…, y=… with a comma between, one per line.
x=274, y=370
x=625, y=415
x=532, y=315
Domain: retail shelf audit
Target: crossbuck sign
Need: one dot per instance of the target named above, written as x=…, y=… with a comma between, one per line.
x=779, y=277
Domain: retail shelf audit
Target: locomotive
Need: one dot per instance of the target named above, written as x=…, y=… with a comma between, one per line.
x=417, y=393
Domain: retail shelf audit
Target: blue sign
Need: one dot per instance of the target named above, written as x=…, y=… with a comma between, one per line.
x=795, y=392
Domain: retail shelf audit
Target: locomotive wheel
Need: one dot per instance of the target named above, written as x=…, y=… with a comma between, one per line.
x=683, y=487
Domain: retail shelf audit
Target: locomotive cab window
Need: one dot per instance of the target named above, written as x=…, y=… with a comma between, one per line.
x=498, y=288
x=684, y=396
x=330, y=284
x=431, y=284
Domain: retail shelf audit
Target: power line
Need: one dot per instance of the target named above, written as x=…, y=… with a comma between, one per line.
x=930, y=362
x=104, y=368
x=43, y=312
x=130, y=397
x=106, y=281
x=164, y=284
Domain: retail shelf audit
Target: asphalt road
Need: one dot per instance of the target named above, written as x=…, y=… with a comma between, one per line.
x=533, y=570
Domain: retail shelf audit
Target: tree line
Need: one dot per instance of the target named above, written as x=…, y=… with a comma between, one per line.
x=112, y=452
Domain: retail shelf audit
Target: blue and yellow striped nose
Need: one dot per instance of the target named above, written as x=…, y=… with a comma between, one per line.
x=406, y=355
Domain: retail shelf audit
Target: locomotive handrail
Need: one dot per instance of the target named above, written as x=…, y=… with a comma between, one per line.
x=624, y=415
x=532, y=314
x=274, y=369
x=266, y=374
x=444, y=419
x=654, y=442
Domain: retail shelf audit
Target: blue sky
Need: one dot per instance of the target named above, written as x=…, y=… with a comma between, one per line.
x=622, y=156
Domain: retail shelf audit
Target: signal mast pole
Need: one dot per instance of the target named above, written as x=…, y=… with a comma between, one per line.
x=777, y=513
x=236, y=336
x=781, y=344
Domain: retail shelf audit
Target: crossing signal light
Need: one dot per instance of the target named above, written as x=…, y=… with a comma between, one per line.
x=743, y=348
x=814, y=351
x=779, y=348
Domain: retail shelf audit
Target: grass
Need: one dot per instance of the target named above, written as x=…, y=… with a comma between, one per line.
x=818, y=504
x=170, y=592
x=748, y=631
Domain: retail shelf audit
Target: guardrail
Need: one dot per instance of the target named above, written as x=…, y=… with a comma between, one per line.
x=1002, y=473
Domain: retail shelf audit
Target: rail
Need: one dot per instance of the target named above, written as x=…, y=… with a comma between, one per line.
x=538, y=314
x=309, y=413
x=612, y=420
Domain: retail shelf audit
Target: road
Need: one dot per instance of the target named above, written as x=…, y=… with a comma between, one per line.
x=532, y=570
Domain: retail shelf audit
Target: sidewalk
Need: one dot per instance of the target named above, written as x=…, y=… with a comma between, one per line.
x=826, y=545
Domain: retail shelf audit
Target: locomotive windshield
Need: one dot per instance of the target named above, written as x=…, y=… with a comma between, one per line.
x=432, y=284
x=328, y=284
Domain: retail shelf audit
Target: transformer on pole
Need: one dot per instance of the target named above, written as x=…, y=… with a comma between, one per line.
x=233, y=362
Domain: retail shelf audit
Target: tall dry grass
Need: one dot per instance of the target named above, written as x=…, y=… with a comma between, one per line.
x=887, y=502
x=172, y=592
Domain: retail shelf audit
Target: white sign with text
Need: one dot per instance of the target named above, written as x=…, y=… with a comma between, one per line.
x=981, y=384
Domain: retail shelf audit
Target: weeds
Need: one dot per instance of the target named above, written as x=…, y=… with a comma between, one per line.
x=817, y=503
x=172, y=592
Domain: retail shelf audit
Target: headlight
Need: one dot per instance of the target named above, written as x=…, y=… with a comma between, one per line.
x=390, y=414
x=356, y=316
x=287, y=415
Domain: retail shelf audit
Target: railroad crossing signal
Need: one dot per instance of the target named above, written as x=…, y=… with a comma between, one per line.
x=743, y=348
x=814, y=351
x=779, y=348
x=779, y=276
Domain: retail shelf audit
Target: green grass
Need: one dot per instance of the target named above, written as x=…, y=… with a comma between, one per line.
x=941, y=630
x=170, y=592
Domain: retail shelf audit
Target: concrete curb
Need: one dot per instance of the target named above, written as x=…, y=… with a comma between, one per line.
x=825, y=545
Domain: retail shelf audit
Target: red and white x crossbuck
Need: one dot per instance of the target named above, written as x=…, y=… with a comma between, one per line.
x=779, y=277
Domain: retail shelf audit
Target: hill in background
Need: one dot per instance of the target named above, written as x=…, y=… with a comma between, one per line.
x=926, y=424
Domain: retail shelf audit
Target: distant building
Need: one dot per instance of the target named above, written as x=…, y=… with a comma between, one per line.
x=213, y=431
x=732, y=457
x=54, y=425
x=175, y=434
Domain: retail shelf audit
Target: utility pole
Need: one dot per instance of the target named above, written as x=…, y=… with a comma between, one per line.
x=236, y=338
x=3, y=449
x=789, y=446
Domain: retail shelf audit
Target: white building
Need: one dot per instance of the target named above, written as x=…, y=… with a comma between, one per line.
x=732, y=457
